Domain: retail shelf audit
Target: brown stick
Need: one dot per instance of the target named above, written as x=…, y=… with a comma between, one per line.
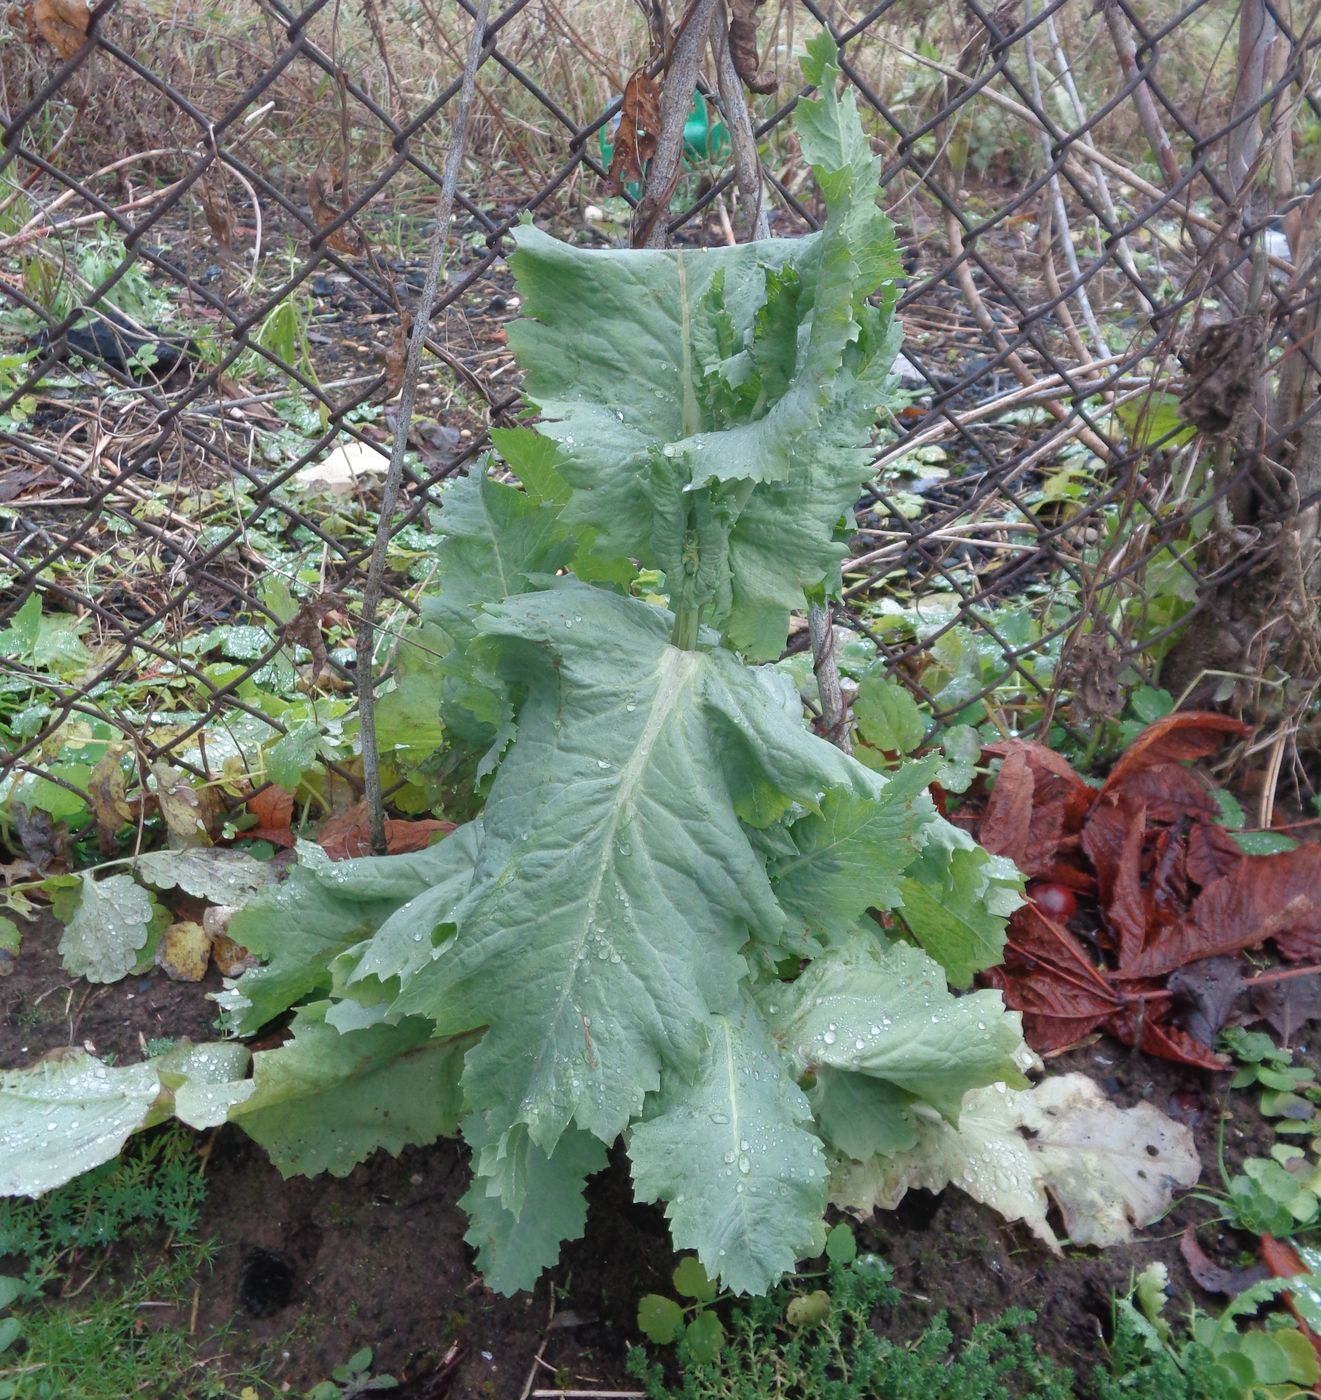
x=649, y=229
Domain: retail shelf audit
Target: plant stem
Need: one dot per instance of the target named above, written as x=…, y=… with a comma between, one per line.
x=686, y=620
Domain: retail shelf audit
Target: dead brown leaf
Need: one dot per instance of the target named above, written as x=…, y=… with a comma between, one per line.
x=304, y=628
x=44, y=843
x=637, y=132
x=274, y=810
x=325, y=195
x=62, y=24
x=743, y=45
x=1276, y=896
x=192, y=813
x=396, y=357
x=348, y=834
x=1223, y=367
x=110, y=807
x=1036, y=810
x=215, y=208
x=1184, y=735
x=184, y=952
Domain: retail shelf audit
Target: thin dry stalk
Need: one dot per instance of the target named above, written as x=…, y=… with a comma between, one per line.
x=374, y=583
x=1122, y=253
x=747, y=168
x=1061, y=213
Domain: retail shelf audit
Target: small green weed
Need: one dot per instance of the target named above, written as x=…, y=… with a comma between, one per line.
x=156, y=1181
x=812, y=1343
x=1279, y=1194
x=62, y=1338
x=107, y=1347
x=354, y=1377
x=1215, y=1359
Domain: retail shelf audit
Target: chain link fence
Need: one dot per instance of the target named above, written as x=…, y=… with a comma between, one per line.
x=1098, y=491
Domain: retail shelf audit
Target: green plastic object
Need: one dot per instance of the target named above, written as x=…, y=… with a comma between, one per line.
x=702, y=138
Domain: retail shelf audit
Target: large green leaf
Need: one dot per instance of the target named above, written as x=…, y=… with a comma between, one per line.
x=211, y=873
x=832, y=865
x=514, y=1247
x=713, y=407
x=326, y=1100
x=107, y=929
x=410, y=937
x=886, y=1012
x=861, y=1116
x=956, y=899
x=70, y=1111
x=67, y=1114
x=616, y=883
x=731, y=1153
x=498, y=541
x=322, y=908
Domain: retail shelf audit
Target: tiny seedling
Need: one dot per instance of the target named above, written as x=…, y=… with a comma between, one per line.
x=352, y=1377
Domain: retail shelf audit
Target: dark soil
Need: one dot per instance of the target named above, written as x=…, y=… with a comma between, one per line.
x=311, y=1270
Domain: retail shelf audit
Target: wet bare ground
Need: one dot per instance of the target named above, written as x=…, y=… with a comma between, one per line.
x=309, y=1271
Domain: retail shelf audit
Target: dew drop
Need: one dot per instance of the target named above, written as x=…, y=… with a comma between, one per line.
x=720, y=1118
x=603, y=763
x=829, y=1037
x=729, y=1156
x=859, y=1043
x=744, y=1163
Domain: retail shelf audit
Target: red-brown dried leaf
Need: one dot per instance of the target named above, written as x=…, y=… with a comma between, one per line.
x=1142, y=1023
x=1048, y=976
x=62, y=24
x=1113, y=840
x=1174, y=739
x=743, y=45
x=274, y=810
x=1212, y=853
x=326, y=195
x=348, y=834
x=1213, y=1277
x=1171, y=793
x=1035, y=811
x=638, y=130
x=1276, y=896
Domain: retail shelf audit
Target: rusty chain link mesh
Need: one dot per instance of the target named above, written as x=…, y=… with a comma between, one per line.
x=1104, y=209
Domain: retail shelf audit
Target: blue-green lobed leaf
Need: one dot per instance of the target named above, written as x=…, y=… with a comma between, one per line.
x=733, y=1155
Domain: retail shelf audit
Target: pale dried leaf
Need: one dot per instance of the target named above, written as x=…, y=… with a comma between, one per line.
x=184, y=951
